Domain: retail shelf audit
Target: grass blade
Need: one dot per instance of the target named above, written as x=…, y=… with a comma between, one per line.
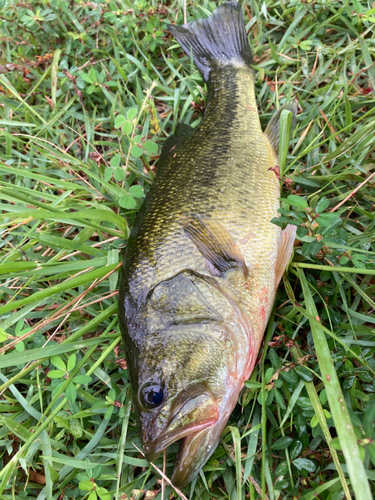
x=66, y=285
x=337, y=402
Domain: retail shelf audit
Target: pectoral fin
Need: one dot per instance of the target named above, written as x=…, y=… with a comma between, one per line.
x=215, y=243
x=285, y=251
x=273, y=128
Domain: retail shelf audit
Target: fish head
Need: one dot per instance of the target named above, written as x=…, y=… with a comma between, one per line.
x=183, y=396
x=186, y=386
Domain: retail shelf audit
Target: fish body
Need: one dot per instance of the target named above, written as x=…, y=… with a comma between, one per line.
x=203, y=259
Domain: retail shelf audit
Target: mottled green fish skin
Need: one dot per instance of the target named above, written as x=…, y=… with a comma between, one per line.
x=195, y=332
x=222, y=171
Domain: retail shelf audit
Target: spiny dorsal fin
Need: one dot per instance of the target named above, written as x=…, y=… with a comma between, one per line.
x=285, y=251
x=214, y=242
x=273, y=128
x=182, y=130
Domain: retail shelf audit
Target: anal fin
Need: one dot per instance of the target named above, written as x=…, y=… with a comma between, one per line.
x=285, y=251
x=215, y=243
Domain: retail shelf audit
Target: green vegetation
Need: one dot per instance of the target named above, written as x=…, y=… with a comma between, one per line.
x=88, y=92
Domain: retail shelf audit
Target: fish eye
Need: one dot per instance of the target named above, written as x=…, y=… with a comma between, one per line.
x=151, y=395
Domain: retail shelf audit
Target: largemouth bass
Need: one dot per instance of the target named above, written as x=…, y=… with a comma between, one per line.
x=203, y=259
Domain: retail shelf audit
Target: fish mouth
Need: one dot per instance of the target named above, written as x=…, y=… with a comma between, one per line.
x=192, y=416
x=193, y=453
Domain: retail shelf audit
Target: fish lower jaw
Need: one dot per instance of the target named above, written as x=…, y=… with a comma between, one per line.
x=196, y=449
x=152, y=450
x=193, y=453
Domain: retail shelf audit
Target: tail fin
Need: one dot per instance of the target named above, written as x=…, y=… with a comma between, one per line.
x=220, y=40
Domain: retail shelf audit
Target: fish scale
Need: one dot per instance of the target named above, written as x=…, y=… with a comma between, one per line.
x=203, y=259
x=230, y=182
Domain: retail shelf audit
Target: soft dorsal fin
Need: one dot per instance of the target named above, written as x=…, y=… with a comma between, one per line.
x=286, y=243
x=273, y=128
x=182, y=130
x=214, y=242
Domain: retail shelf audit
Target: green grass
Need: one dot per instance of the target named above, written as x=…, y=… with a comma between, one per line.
x=88, y=93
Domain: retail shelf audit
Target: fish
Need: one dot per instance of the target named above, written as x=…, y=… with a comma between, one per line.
x=203, y=260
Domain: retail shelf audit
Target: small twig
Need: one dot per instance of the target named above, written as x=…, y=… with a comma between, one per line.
x=105, y=297
x=73, y=79
x=179, y=493
x=85, y=304
x=250, y=477
x=88, y=142
x=287, y=57
x=353, y=192
x=256, y=486
x=98, y=244
x=73, y=172
x=163, y=480
x=91, y=62
x=315, y=63
x=55, y=331
x=329, y=124
x=82, y=136
x=135, y=121
x=359, y=72
x=57, y=313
